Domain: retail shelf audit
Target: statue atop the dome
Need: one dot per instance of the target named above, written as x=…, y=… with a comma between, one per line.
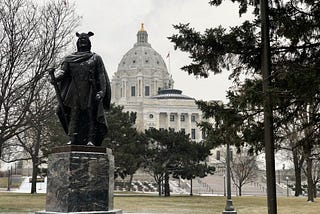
x=84, y=93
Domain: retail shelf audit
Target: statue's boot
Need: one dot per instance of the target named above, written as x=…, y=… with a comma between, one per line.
x=72, y=140
x=90, y=140
x=91, y=134
x=90, y=143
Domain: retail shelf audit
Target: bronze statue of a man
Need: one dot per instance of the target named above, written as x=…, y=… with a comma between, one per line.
x=84, y=91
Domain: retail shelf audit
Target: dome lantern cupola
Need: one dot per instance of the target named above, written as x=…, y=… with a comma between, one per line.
x=142, y=36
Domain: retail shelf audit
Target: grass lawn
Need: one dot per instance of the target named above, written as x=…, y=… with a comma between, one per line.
x=24, y=203
x=213, y=205
x=21, y=202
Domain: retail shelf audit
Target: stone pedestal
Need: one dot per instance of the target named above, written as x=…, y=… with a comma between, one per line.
x=80, y=180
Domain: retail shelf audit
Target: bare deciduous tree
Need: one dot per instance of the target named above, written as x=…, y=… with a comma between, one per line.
x=315, y=172
x=243, y=170
x=30, y=143
x=290, y=136
x=32, y=38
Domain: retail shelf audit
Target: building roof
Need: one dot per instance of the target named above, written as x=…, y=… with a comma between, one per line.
x=171, y=94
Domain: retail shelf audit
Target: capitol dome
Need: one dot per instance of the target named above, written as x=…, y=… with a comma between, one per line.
x=141, y=73
x=142, y=84
x=142, y=55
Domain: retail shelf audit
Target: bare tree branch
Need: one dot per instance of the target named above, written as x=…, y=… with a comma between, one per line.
x=33, y=39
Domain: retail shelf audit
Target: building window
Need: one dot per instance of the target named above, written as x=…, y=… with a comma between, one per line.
x=218, y=155
x=147, y=90
x=193, y=134
x=133, y=91
x=151, y=116
x=203, y=134
x=183, y=130
x=171, y=117
x=182, y=117
x=193, y=118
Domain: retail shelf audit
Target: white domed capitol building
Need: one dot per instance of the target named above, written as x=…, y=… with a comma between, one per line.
x=142, y=84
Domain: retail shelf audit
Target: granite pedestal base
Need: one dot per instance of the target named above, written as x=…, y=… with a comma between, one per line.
x=93, y=212
x=80, y=180
x=229, y=212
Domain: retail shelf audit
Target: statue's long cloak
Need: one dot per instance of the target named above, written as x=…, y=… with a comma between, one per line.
x=102, y=83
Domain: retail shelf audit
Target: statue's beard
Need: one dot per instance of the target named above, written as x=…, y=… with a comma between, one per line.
x=84, y=48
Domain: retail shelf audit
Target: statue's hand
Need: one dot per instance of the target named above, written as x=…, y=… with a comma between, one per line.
x=55, y=75
x=99, y=96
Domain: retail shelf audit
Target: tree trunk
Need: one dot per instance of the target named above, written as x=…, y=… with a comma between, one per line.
x=9, y=179
x=240, y=189
x=309, y=179
x=124, y=184
x=307, y=148
x=1, y=144
x=166, y=184
x=297, y=173
x=314, y=190
x=35, y=162
x=298, y=187
x=159, y=187
x=158, y=179
x=34, y=176
x=130, y=182
x=191, y=194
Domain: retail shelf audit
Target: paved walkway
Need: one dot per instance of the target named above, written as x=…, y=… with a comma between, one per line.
x=215, y=185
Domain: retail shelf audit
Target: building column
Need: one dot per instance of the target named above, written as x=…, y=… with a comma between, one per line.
x=178, y=122
x=188, y=120
x=168, y=120
x=155, y=87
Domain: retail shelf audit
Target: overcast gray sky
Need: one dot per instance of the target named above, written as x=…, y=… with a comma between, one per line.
x=116, y=23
